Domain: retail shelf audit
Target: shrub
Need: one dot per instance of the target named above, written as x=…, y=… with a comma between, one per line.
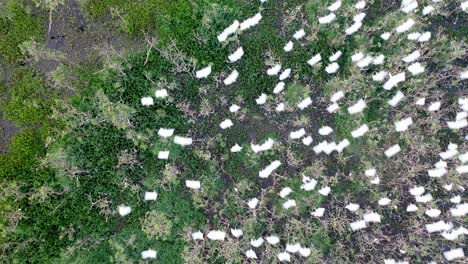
x=17, y=25
x=156, y=225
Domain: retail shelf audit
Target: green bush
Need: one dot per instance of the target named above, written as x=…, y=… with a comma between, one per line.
x=27, y=100
x=18, y=24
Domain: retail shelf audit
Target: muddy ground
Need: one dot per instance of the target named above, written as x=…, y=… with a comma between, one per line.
x=80, y=39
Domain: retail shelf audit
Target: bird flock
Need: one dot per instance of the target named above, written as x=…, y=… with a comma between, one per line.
x=390, y=79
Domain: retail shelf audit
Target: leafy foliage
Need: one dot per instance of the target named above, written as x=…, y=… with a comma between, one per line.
x=17, y=25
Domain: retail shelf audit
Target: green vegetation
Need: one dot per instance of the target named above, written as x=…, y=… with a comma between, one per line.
x=18, y=24
x=83, y=144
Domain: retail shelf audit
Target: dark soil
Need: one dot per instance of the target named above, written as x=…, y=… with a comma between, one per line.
x=79, y=37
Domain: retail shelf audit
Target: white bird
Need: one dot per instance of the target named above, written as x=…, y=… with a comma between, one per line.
x=161, y=93
x=236, y=55
x=454, y=253
x=459, y=210
x=216, y=235
x=314, y=60
x=384, y=201
x=416, y=68
x=379, y=59
x=411, y=208
x=250, y=254
x=408, y=5
x=293, y=248
x=372, y=217
x=427, y=10
x=426, y=36
x=203, y=73
x=253, y=203
x=308, y=184
x=237, y=232
x=417, y=190
x=335, y=56
x=435, y=106
x=124, y=210
x=394, y=80
x=289, y=46
x=325, y=191
x=297, y=134
x=195, y=185
x=234, y=108
x=183, y=141
x=360, y=5
x=396, y=99
x=279, y=88
x=280, y=107
x=272, y=240
x=456, y=199
x=327, y=19
x=284, y=257
x=379, y=76
x=392, y=151
x=274, y=70
x=285, y=74
x=289, y=203
x=304, y=103
x=227, y=123
x=403, y=125
x=149, y=254
x=353, y=28
x=423, y=198
x=360, y=131
x=163, y=155
x=299, y=34
x=358, y=225
x=438, y=226
x=325, y=130
x=268, y=170
x=405, y=26
x=147, y=101
x=412, y=56
x=352, y=207
x=333, y=108
x=285, y=192
x=318, y=212
x=359, y=17
x=267, y=145
x=433, y=212
x=335, y=6
x=385, y=35
x=197, y=235
x=366, y=61
x=305, y=252
x=151, y=196
x=332, y=68
x=231, y=29
x=337, y=96
x=421, y=101
x=257, y=243
x=414, y=36
x=231, y=78
x=261, y=99
x=165, y=132
x=357, y=56
x=357, y=107
x=370, y=172
x=250, y=22
x=462, y=169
